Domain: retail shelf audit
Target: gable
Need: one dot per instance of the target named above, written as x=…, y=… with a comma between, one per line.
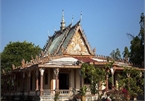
x=77, y=45
x=70, y=41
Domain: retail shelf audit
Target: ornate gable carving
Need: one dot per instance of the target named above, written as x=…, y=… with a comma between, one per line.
x=77, y=45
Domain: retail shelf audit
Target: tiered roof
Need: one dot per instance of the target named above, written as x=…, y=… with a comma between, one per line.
x=56, y=51
x=58, y=43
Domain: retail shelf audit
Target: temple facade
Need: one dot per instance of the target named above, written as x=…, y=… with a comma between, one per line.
x=57, y=68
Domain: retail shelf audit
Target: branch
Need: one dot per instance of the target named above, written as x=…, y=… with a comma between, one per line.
x=130, y=35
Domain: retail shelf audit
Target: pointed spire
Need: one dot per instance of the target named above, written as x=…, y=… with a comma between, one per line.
x=81, y=16
x=62, y=21
x=72, y=19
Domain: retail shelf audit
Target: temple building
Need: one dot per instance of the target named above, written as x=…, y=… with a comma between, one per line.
x=57, y=67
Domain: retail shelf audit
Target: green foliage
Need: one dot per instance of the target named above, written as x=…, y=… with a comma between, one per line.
x=83, y=91
x=96, y=75
x=109, y=65
x=136, y=56
x=56, y=97
x=115, y=55
x=125, y=53
x=131, y=79
x=14, y=52
x=137, y=45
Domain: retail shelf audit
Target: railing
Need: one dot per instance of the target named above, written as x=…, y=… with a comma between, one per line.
x=49, y=94
x=32, y=93
x=17, y=93
x=52, y=92
x=64, y=92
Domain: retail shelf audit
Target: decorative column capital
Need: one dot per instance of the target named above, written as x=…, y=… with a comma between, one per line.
x=56, y=71
x=41, y=71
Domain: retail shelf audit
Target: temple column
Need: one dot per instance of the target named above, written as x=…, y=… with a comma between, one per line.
x=10, y=84
x=41, y=81
x=7, y=78
x=56, y=72
x=36, y=81
x=107, y=80
x=4, y=84
x=14, y=83
x=29, y=75
x=23, y=81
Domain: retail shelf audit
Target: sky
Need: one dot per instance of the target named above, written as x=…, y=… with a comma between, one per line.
x=105, y=22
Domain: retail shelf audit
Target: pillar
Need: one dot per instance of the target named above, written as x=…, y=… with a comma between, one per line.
x=23, y=81
x=29, y=75
x=107, y=79
x=41, y=80
x=107, y=82
x=4, y=84
x=36, y=81
x=56, y=73
x=14, y=84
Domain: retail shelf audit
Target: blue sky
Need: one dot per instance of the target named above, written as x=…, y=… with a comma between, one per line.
x=105, y=22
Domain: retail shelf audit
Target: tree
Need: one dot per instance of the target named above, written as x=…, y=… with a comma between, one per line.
x=125, y=54
x=96, y=75
x=132, y=80
x=14, y=52
x=115, y=55
x=137, y=45
x=112, y=54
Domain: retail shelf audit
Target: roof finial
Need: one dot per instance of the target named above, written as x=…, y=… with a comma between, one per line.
x=72, y=19
x=63, y=13
x=81, y=16
x=62, y=21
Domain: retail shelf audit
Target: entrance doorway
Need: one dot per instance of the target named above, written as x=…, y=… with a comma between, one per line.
x=63, y=81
